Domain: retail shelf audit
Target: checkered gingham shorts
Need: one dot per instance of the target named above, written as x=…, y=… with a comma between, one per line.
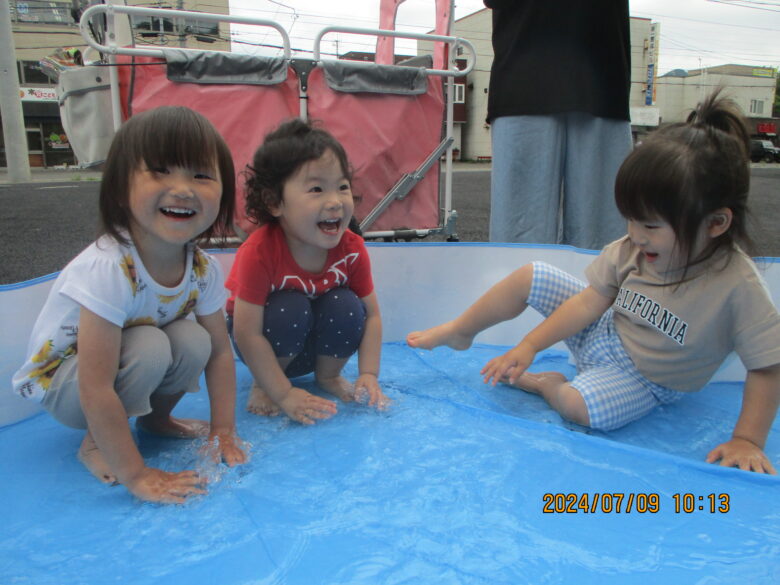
x=614, y=391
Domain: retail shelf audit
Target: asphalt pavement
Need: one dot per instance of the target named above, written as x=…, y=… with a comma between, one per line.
x=45, y=223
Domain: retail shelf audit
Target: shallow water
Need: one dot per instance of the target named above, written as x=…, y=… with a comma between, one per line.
x=447, y=486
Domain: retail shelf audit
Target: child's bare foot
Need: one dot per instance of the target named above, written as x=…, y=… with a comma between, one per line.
x=339, y=387
x=92, y=458
x=537, y=383
x=168, y=426
x=444, y=334
x=260, y=403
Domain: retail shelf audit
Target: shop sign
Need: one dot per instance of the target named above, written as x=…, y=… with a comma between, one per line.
x=763, y=72
x=38, y=94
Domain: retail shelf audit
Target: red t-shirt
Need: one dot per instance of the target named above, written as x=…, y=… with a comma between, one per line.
x=264, y=265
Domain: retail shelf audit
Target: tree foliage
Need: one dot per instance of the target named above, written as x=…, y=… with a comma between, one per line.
x=776, y=108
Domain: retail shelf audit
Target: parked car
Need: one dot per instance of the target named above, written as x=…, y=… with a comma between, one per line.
x=764, y=150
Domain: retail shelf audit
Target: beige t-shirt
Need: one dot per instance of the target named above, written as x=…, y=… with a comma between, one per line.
x=679, y=335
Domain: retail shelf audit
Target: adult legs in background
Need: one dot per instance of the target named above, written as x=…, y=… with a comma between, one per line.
x=553, y=179
x=595, y=149
x=526, y=178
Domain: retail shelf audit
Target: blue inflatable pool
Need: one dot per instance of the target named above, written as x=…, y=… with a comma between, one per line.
x=458, y=482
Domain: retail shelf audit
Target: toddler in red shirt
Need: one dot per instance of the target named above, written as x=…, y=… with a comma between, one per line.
x=302, y=297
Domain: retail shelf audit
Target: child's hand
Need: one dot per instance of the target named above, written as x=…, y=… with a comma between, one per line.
x=228, y=447
x=305, y=408
x=743, y=454
x=156, y=485
x=510, y=365
x=367, y=386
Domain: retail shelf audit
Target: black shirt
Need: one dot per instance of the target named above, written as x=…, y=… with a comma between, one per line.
x=555, y=56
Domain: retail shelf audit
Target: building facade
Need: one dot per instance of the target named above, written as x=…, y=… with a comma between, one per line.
x=753, y=88
x=41, y=27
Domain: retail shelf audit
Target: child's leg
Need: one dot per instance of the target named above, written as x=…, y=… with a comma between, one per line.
x=63, y=403
x=340, y=318
x=145, y=356
x=607, y=393
x=91, y=458
x=502, y=302
x=614, y=397
x=551, y=287
x=559, y=394
x=287, y=322
x=189, y=350
x=258, y=402
x=329, y=378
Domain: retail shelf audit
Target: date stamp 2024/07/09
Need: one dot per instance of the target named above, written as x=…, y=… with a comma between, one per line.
x=630, y=502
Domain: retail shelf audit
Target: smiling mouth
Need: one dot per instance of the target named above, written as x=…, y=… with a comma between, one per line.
x=330, y=226
x=651, y=256
x=177, y=212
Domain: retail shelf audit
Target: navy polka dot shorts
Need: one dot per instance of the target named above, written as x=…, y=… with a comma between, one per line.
x=296, y=326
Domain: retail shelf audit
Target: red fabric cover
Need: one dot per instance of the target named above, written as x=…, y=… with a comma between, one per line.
x=385, y=137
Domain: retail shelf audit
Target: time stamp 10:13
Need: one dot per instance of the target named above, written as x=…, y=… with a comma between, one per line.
x=627, y=502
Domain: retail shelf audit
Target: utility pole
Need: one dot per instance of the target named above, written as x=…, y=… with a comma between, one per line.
x=181, y=26
x=14, y=135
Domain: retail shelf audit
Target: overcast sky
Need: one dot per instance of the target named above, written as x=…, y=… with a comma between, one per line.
x=693, y=32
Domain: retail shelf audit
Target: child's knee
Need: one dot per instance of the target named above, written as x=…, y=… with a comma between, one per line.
x=145, y=359
x=341, y=319
x=145, y=348
x=190, y=344
x=288, y=319
x=340, y=307
x=287, y=308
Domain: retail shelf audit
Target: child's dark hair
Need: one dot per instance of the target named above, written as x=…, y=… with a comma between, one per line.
x=281, y=155
x=685, y=171
x=168, y=136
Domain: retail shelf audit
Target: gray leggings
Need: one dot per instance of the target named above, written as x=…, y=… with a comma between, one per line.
x=152, y=360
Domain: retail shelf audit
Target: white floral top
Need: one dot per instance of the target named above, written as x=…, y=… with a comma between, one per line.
x=110, y=280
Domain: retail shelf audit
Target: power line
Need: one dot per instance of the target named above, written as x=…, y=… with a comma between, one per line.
x=749, y=4
x=709, y=22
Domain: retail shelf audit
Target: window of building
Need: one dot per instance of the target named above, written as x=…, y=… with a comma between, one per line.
x=460, y=94
x=42, y=11
x=30, y=73
x=153, y=26
x=757, y=107
x=34, y=139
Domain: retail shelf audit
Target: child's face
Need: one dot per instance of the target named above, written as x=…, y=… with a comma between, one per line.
x=316, y=208
x=658, y=243
x=171, y=206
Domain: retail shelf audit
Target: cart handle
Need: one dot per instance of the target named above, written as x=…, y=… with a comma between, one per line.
x=455, y=41
x=113, y=49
